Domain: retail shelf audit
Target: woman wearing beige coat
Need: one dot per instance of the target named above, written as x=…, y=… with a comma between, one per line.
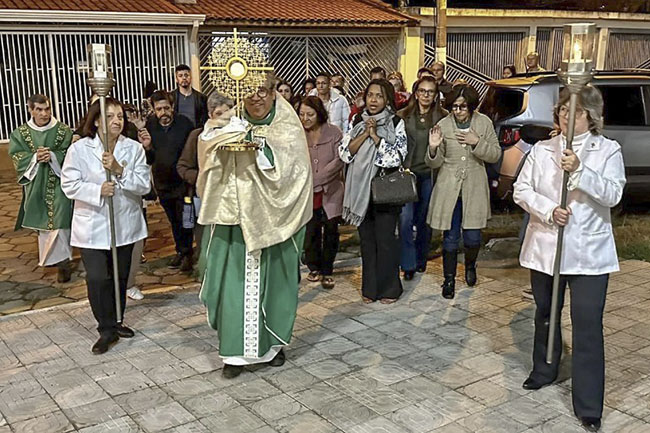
x=459, y=145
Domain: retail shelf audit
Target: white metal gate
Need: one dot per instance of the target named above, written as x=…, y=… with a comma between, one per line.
x=297, y=57
x=49, y=63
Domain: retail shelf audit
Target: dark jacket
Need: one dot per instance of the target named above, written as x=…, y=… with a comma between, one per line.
x=200, y=106
x=166, y=147
x=188, y=163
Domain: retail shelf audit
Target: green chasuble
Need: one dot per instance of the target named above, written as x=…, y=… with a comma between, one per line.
x=44, y=205
x=251, y=297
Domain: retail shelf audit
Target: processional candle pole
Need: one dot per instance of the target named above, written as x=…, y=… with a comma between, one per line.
x=100, y=80
x=576, y=70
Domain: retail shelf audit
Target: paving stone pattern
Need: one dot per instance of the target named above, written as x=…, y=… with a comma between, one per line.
x=424, y=364
x=26, y=286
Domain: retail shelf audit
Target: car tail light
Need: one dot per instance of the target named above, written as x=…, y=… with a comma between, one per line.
x=509, y=136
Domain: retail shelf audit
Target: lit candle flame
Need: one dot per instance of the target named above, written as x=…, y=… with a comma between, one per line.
x=577, y=51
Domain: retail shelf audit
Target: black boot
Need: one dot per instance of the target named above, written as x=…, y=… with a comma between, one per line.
x=471, y=254
x=449, y=262
x=64, y=271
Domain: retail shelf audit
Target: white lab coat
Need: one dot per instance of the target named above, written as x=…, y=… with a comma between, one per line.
x=81, y=180
x=594, y=188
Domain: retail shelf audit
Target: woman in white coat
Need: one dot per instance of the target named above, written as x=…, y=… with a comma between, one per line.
x=597, y=178
x=83, y=180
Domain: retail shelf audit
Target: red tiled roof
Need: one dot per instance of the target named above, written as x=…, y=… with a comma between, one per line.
x=153, y=6
x=298, y=12
x=241, y=12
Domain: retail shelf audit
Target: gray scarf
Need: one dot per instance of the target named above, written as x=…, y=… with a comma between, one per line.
x=362, y=169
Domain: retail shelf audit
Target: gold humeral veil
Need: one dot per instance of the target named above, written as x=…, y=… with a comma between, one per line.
x=271, y=204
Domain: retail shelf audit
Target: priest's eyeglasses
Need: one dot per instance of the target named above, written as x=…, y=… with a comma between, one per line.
x=262, y=92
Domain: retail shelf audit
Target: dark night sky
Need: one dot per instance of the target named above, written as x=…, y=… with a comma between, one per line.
x=593, y=5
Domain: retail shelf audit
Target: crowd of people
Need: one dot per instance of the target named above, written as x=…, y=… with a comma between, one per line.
x=250, y=218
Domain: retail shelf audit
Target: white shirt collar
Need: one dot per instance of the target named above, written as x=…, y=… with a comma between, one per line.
x=578, y=140
x=47, y=127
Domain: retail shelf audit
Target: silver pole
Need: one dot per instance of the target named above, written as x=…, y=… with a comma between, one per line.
x=111, y=214
x=573, y=102
x=100, y=80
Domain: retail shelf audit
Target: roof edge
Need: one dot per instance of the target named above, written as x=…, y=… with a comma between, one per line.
x=301, y=23
x=62, y=16
x=541, y=13
x=381, y=5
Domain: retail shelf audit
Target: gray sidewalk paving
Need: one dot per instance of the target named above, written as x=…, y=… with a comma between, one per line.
x=423, y=364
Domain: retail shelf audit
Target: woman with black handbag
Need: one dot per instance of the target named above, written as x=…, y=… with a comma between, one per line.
x=375, y=144
x=460, y=145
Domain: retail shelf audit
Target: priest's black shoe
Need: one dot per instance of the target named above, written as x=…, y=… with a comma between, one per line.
x=124, y=332
x=104, y=343
x=232, y=371
x=532, y=385
x=279, y=359
x=421, y=269
x=408, y=275
x=590, y=424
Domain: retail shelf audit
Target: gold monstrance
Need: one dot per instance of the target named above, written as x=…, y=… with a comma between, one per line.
x=237, y=68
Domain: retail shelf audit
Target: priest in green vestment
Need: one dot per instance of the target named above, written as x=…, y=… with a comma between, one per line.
x=255, y=205
x=37, y=150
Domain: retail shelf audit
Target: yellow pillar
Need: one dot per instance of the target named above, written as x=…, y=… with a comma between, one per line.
x=195, y=62
x=412, y=56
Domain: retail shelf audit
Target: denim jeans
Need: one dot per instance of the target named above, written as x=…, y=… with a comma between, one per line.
x=416, y=248
x=451, y=237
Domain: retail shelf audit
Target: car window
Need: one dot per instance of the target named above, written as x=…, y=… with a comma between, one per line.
x=623, y=105
x=501, y=103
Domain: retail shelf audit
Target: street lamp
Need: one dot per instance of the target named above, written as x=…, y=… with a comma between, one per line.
x=576, y=70
x=100, y=80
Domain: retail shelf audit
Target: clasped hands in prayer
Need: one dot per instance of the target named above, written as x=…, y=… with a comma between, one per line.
x=43, y=154
x=371, y=131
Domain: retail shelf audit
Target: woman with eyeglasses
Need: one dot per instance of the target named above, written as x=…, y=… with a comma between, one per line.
x=420, y=115
x=376, y=140
x=596, y=182
x=460, y=145
x=83, y=179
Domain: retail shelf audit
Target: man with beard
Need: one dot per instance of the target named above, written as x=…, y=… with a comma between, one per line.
x=163, y=140
x=256, y=205
x=37, y=150
x=189, y=102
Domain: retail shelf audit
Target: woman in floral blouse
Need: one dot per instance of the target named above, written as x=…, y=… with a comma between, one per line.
x=376, y=140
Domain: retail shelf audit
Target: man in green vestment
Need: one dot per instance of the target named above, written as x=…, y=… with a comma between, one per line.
x=37, y=150
x=255, y=205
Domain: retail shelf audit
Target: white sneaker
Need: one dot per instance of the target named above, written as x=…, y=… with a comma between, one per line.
x=134, y=293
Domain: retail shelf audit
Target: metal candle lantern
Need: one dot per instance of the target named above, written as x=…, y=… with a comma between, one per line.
x=100, y=80
x=576, y=70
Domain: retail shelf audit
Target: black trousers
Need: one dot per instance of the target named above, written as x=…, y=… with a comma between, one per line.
x=380, y=253
x=321, y=242
x=588, y=294
x=182, y=237
x=99, y=281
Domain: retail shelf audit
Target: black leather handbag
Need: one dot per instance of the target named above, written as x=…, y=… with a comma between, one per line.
x=395, y=188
